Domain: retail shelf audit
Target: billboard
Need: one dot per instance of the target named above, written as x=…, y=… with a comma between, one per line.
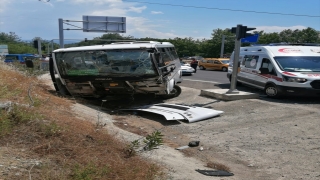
x=4, y=50
x=104, y=24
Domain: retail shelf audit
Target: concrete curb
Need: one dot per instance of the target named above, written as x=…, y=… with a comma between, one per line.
x=221, y=94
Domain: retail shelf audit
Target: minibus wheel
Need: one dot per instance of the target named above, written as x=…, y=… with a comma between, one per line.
x=271, y=90
x=176, y=91
x=62, y=89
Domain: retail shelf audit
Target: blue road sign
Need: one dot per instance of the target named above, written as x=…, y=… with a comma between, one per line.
x=250, y=39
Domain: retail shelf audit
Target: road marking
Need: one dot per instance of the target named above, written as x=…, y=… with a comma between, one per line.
x=202, y=81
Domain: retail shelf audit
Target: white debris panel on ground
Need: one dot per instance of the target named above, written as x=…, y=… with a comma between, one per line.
x=179, y=112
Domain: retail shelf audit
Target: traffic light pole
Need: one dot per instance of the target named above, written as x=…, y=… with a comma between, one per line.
x=236, y=53
x=234, y=75
x=241, y=32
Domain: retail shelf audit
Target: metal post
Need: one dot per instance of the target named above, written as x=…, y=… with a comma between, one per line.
x=61, y=33
x=222, y=46
x=234, y=75
x=39, y=47
x=51, y=45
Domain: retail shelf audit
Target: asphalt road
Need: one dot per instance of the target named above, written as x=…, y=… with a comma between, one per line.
x=210, y=79
x=209, y=75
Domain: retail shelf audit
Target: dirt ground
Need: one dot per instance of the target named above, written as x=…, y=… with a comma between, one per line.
x=255, y=138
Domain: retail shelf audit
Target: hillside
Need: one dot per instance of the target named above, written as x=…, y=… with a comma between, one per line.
x=42, y=137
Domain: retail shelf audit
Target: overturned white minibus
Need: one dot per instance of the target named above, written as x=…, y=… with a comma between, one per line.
x=125, y=68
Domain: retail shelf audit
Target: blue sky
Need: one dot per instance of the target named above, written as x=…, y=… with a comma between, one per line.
x=155, y=18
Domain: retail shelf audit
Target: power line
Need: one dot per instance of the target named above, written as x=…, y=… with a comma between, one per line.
x=221, y=9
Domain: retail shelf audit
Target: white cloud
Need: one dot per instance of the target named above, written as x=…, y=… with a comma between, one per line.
x=137, y=9
x=156, y=12
x=271, y=29
x=142, y=27
x=4, y=4
x=97, y=2
x=110, y=12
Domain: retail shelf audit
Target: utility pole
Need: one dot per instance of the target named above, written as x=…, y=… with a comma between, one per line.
x=222, y=46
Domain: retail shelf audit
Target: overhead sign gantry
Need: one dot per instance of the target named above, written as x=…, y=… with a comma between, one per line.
x=94, y=24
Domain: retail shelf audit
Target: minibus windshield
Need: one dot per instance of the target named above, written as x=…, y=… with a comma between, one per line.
x=119, y=62
x=299, y=63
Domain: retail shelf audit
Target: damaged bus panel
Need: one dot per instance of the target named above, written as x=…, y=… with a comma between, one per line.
x=124, y=68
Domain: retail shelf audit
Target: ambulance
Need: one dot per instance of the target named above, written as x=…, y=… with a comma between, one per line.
x=280, y=69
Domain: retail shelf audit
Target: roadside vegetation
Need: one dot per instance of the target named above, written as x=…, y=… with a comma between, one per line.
x=208, y=48
x=41, y=138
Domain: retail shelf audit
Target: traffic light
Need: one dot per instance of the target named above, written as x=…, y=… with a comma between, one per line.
x=233, y=30
x=85, y=40
x=35, y=44
x=243, y=32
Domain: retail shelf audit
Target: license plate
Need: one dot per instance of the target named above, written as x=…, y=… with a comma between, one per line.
x=114, y=84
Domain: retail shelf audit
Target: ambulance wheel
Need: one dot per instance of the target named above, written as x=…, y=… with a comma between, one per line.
x=202, y=68
x=62, y=89
x=224, y=69
x=271, y=90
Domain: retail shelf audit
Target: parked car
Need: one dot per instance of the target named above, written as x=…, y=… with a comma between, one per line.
x=186, y=69
x=19, y=58
x=184, y=63
x=214, y=63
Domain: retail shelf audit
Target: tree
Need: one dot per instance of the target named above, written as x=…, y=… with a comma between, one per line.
x=9, y=38
x=309, y=35
x=185, y=46
x=267, y=38
x=20, y=48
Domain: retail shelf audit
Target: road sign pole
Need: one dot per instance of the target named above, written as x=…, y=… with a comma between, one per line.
x=61, y=33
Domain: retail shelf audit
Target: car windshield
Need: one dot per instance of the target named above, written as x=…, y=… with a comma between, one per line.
x=120, y=62
x=299, y=63
x=225, y=61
